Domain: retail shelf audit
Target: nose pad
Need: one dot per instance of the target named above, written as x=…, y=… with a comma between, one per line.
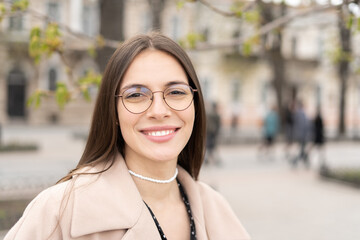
x=158, y=106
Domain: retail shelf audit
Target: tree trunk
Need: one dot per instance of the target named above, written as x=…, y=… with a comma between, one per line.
x=272, y=48
x=111, y=27
x=157, y=7
x=343, y=66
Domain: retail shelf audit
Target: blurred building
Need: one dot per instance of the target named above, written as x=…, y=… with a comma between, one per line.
x=241, y=85
x=20, y=76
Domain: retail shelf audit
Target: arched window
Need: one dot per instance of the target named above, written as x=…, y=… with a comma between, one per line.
x=16, y=85
x=52, y=79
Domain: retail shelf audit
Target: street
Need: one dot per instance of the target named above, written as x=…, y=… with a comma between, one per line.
x=272, y=200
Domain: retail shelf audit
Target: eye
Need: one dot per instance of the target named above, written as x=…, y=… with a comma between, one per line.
x=176, y=92
x=135, y=95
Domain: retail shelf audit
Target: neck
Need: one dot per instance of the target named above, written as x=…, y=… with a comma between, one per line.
x=156, y=193
x=152, y=191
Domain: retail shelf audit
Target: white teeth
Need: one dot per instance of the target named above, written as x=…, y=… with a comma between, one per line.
x=160, y=133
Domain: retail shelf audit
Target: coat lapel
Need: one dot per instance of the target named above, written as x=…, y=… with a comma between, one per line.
x=111, y=201
x=193, y=193
x=105, y=201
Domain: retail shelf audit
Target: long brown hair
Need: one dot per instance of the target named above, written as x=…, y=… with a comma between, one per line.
x=105, y=137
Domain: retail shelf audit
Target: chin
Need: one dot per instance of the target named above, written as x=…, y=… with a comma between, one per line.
x=163, y=156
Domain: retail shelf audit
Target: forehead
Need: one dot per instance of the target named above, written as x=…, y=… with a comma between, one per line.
x=154, y=68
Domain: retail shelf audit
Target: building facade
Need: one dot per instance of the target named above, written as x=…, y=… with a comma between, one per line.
x=241, y=85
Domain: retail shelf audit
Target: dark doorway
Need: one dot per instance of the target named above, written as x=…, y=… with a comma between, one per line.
x=16, y=86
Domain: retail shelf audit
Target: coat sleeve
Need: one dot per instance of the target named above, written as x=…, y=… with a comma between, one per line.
x=40, y=218
x=220, y=220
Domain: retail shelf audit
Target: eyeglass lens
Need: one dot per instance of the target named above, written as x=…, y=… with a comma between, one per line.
x=139, y=98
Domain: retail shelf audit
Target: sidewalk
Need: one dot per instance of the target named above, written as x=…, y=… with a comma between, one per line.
x=273, y=201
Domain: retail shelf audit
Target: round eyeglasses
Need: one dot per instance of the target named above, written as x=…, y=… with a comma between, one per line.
x=137, y=99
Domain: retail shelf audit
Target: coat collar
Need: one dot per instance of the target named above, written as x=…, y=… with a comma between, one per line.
x=111, y=201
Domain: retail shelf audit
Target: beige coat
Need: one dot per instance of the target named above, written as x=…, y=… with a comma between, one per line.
x=109, y=206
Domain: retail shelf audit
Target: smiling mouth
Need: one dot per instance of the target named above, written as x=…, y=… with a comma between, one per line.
x=159, y=133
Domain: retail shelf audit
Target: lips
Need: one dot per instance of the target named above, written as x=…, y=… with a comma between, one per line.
x=160, y=134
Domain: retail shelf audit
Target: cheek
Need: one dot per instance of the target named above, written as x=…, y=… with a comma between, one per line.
x=126, y=120
x=189, y=116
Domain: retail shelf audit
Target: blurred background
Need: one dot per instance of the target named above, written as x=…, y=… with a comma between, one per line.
x=281, y=80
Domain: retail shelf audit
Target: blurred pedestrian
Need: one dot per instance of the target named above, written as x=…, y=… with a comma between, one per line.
x=270, y=130
x=301, y=134
x=319, y=137
x=137, y=177
x=289, y=129
x=213, y=126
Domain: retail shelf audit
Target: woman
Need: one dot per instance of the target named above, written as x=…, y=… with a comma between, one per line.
x=137, y=176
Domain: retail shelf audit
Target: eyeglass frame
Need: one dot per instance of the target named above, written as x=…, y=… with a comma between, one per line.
x=163, y=97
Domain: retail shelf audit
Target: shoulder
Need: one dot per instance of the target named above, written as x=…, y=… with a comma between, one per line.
x=43, y=211
x=219, y=216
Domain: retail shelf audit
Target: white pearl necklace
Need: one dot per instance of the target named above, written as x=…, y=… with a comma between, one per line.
x=155, y=180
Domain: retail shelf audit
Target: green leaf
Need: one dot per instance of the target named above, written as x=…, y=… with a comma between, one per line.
x=36, y=46
x=92, y=51
x=2, y=11
x=180, y=5
x=86, y=94
x=35, y=98
x=100, y=41
x=350, y=21
x=247, y=48
x=237, y=8
x=357, y=71
x=19, y=5
x=62, y=94
x=52, y=40
x=91, y=78
x=191, y=40
x=252, y=16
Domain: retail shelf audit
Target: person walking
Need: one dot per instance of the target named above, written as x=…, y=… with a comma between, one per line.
x=212, y=135
x=289, y=129
x=301, y=135
x=319, y=138
x=270, y=129
x=138, y=176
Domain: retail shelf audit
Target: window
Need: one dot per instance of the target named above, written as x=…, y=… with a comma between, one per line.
x=293, y=46
x=89, y=20
x=175, y=27
x=235, y=90
x=264, y=92
x=16, y=94
x=53, y=10
x=52, y=79
x=318, y=95
x=147, y=21
x=205, y=85
x=16, y=23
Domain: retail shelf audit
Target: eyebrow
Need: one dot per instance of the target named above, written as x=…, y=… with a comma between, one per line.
x=142, y=85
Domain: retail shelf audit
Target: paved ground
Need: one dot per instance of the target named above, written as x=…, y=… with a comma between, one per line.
x=273, y=201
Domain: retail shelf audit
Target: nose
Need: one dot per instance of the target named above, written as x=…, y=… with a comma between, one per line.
x=158, y=109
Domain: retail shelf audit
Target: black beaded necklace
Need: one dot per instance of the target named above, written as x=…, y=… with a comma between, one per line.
x=188, y=209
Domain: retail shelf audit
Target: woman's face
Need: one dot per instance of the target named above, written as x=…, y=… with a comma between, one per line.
x=160, y=133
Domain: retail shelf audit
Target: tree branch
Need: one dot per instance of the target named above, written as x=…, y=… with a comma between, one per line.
x=246, y=7
x=280, y=22
x=106, y=42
